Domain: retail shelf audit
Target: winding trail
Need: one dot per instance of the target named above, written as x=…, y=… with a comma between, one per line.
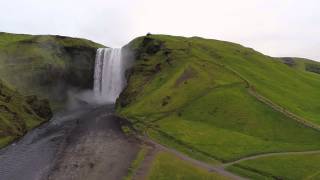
x=220, y=168
x=282, y=110
x=211, y=168
x=268, y=155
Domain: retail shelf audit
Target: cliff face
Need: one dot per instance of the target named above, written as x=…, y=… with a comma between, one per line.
x=19, y=114
x=47, y=66
x=36, y=73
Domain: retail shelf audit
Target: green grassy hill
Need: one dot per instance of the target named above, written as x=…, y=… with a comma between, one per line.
x=47, y=65
x=280, y=167
x=305, y=65
x=217, y=100
x=18, y=114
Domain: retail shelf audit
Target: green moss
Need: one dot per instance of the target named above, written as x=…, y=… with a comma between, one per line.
x=17, y=116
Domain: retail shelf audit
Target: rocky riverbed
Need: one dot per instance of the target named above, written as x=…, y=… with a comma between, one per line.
x=86, y=143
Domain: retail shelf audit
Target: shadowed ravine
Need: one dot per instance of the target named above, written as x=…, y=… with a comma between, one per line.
x=84, y=144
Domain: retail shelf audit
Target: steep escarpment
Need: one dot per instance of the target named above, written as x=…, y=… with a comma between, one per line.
x=219, y=100
x=36, y=74
x=47, y=66
x=18, y=114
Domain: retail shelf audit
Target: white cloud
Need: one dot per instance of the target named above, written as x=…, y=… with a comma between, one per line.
x=277, y=28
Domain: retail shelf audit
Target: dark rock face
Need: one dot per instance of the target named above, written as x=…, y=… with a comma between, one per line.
x=80, y=69
x=147, y=47
x=288, y=61
x=40, y=70
x=40, y=107
x=47, y=66
x=313, y=68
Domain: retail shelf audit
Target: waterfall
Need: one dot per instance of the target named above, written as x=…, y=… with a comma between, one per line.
x=109, y=75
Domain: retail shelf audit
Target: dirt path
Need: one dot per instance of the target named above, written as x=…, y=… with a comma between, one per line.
x=270, y=154
x=221, y=168
x=96, y=149
x=283, y=110
x=142, y=172
x=211, y=168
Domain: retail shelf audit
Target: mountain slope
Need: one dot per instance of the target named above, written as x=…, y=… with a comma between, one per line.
x=303, y=166
x=192, y=94
x=305, y=65
x=18, y=114
x=47, y=66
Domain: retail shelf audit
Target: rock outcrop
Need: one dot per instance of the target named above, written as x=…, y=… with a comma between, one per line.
x=47, y=66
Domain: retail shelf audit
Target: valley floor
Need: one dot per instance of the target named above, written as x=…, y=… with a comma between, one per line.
x=86, y=144
x=89, y=144
x=96, y=149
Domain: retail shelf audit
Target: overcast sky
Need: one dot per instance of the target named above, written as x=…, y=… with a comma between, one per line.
x=274, y=27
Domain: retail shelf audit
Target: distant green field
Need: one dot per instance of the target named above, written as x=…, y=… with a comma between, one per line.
x=191, y=94
x=294, y=167
x=167, y=166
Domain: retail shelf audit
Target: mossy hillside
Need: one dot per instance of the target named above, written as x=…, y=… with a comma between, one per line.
x=228, y=123
x=19, y=114
x=47, y=65
x=296, y=91
x=302, y=64
x=184, y=93
x=293, y=167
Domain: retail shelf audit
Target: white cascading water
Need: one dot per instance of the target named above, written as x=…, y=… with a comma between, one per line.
x=109, y=75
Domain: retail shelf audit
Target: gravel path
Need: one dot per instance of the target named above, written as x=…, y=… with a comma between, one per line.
x=96, y=149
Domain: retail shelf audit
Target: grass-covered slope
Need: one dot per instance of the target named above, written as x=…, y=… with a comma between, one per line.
x=18, y=114
x=192, y=94
x=46, y=65
x=297, y=91
x=305, y=65
x=295, y=167
x=167, y=166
